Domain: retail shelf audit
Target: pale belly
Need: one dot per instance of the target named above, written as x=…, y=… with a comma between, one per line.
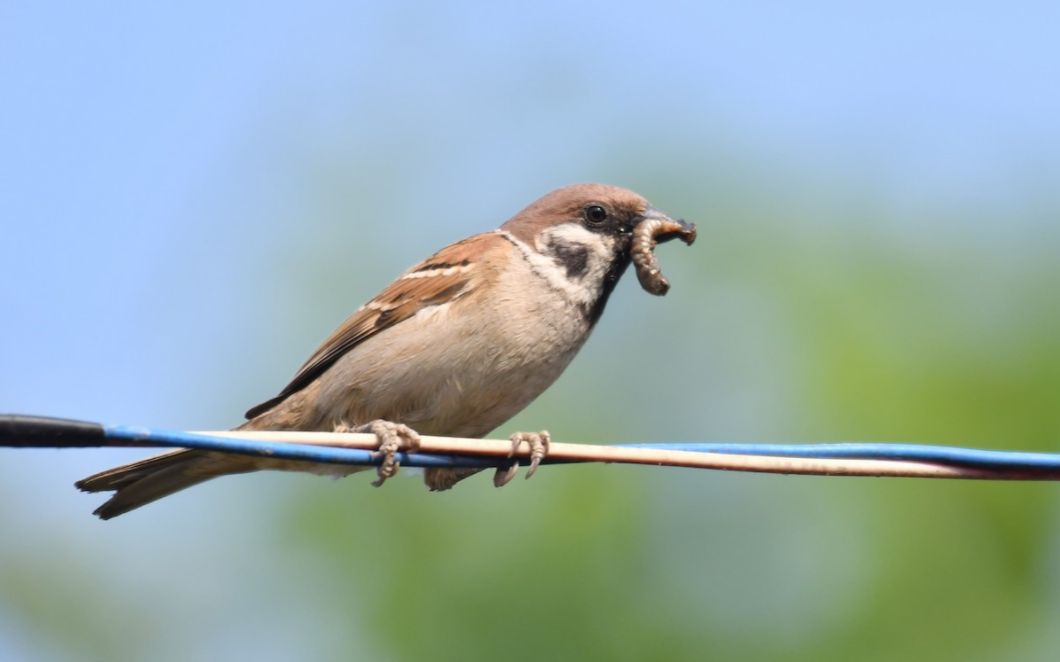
x=448, y=376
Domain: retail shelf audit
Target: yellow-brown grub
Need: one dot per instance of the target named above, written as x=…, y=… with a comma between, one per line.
x=645, y=236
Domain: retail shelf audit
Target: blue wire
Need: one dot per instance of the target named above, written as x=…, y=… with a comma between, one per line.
x=326, y=454
x=971, y=457
x=987, y=459
x=25, y=431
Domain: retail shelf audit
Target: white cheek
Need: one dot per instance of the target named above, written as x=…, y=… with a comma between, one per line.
x=586, y=288
x=600, y=246
x=599, y=249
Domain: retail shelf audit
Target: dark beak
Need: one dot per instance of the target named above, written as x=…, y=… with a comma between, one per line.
x=677, y=228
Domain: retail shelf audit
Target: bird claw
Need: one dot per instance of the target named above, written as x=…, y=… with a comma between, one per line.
x=393, y=437
x=537, y=442
x=505, y=473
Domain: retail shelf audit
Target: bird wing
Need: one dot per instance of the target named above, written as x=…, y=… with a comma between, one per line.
x=441, y=278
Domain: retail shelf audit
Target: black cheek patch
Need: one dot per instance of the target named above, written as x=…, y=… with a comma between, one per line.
x=573, y=257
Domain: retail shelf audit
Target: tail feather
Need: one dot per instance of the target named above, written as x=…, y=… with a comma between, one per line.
x=140, y=483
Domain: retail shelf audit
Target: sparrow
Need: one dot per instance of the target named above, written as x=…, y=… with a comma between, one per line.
x=455, y=346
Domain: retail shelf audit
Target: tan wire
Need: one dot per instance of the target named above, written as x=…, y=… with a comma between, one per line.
x=627, y=455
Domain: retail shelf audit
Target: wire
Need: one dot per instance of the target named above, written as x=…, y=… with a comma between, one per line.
x=846, y=459
x=891, y=451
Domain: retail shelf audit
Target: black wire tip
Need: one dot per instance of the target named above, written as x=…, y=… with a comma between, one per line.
x=19, y=431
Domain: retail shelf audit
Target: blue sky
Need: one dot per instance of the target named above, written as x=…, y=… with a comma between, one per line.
x=164, y=170
x=156, y=159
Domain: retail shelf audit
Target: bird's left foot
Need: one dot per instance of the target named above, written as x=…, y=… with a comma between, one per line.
x=393, y=437
x=538, y=444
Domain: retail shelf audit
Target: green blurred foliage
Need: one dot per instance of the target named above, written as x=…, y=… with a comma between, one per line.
x=787, y=321
x=205, y=192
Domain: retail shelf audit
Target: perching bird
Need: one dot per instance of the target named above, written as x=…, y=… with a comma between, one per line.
x=456, y=346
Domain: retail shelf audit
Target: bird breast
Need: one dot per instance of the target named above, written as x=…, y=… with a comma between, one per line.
x=457, y=374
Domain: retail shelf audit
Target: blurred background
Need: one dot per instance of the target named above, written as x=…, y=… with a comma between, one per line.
x=193, y=197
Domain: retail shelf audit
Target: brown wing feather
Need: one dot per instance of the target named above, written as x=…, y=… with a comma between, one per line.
x=445, y=278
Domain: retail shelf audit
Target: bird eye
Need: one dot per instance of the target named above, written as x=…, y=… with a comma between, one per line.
x=595, y=214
